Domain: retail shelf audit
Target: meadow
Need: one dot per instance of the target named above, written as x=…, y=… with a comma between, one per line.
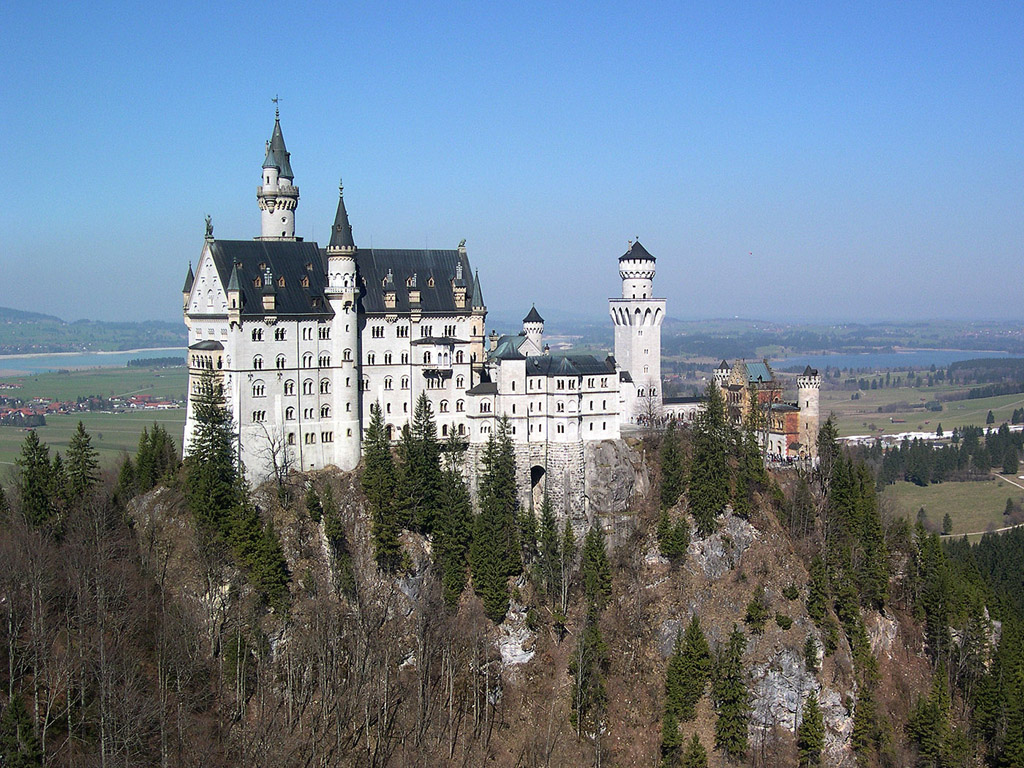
x=973, y=506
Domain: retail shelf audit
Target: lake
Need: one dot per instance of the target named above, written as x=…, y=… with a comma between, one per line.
x=916, y=358
x=23, y=365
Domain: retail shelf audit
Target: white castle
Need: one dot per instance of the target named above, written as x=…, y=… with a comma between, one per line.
x=305, y=339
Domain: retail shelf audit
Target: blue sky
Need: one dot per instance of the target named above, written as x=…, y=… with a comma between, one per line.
x=784, y=161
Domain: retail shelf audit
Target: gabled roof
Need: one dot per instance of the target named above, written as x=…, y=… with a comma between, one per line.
x=190, y=280
x=292, y=260
x=341, y=232
x=534, y=316
x=277, y=155
x=758, y=372
x=567, y=365
x=636, y=251
x=373, y=265
x=506, y=350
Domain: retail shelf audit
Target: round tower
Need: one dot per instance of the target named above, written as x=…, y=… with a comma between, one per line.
x=808, y=389
x=637, y=318
x=533, y=327
x=343, y=341
x=278, y=197
x=721, y=374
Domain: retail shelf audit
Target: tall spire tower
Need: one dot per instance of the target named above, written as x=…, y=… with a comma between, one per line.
x=278, y=197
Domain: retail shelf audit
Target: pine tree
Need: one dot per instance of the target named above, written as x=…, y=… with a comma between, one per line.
x=810, y=736
x=731, y=697
x=695, y=755
x=82, y=464
x=213, y=482
x=18, y=745
x=694, y=670
x=528, y=536
x=758, y=611
x=568, y=567
x=811, y=660
x=673, y=538
x=1011, y=463
x=671, y=738
x=454, y=526
x=817, y=592
x=35, y=484
x=595, y=568
x=672, y=476
x=708, y=487
x=126, y=487
x=426, y=465
x=313, y=506
x=59, y=494
x=378, y=482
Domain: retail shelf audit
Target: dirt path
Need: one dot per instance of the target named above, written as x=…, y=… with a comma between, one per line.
x=1014, y=483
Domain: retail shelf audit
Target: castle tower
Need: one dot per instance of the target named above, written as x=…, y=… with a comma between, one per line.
x=637, y=317
x=278, y=197
x=533, y=327
x=808, y=389
x=721, y=374
x=343, y=338
x=477, y=352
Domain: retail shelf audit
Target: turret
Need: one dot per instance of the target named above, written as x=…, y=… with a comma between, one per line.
x=721, y=374
x=186, y=291
x=808, y=391
x=533, y=327
x=636, y=268
x=278, y=197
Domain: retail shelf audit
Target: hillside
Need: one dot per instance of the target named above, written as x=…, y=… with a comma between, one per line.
x=32, y=333
x=283, y=632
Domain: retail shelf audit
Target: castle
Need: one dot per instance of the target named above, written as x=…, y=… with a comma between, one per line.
x=304, y=339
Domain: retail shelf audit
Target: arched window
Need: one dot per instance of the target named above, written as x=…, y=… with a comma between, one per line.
x=485, y=407
x=458, y=356
x=289, y=387
x=405, y=358
x=257, y=334
x=460, y=406
x=289, y=413
x=280, y=361
x=388, y=383
x=325, y=361
x=366, y=383
x=307, y=362
x=307, y=387
x=291, y=438
x=387, y=358
x=443, y=407
x=460, y=382
x=462, y=429
x=279, y=334
x=347, y=355
x=370, y=358
x=259, y=389
x=405, y=382
x=325, y=411
x=325, y=386
x=257, y=363
x=426, y=358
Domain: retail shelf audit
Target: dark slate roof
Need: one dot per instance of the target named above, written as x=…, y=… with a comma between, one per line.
x=808, y=371
x=626, y=377
x=341, y=232
x=233, y=283
x=534, y=316
x=477, y=301
x=722, y=366
x=507, y=350
x=682, y=400
x=758, y=372
x=205, y=346
x=484, y=388
x=285, y=258
x=277, y=156
x=448, y=341
x=190, y=280
x=566, y=365
x=636, y=251
x=784, y=408
x=373, y=265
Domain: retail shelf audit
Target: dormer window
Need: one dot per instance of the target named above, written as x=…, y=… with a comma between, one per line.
x=309, y=266
x=430, y=282
x=280, y=282
x=305, y=281
x=257, y=283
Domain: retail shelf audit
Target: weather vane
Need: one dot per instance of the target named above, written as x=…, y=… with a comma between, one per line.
x=277, y=109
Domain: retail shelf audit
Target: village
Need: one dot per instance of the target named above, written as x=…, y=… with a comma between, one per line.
x=18, y=412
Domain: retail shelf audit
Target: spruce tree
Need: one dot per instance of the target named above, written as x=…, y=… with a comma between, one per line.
x=811, y=654
x=731, y=697
x=35, y=484
x=595, y=568
x=1011, y=463
x=672, y=476
x=378, y=483
x=671, y=738
x=313, y=506
x=758, y=611
x=213, y=482
x=454, y=526
x=424, y=466
x=817, y=592
x=18, y=745
x=82, y=464
x=708, y=487
x=694, y=756
x=695, y=671
x=810, y=736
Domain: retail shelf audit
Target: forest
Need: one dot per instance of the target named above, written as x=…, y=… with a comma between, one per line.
x=168, y=614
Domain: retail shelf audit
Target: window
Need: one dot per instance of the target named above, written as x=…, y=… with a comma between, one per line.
x=257, y=334
x=347, y=355
x=377, y=331
x=426, y=331
x=258, y=416
x=289, y=387
x=426, y=358
x=366, y=384
x=572, y=383
x=462, y=429
x=280, y=361
x=604, y=383
x=405, y=358
x=325, y=332
x=560, y=384
x=387, y=358
x=325, y=361
x=604, y=405
x=257, y=363
x=449, y=330
x=307, y=387
x=388, y=383
x=348, y=407
x=590, y=382
x=289, y=413
x=560, y=429
x=402, y=331
x=259, y=389
x=307, y=360
x=560, y=407
x=444, y=430
x=307, y=334
x=325, y=386
x=310, y=438
x=291, y=438
x=348, y=381
x=460, y=406
x=459, y=356
x=443, y=407
x=371, y=358
x=485, y=407
x=460, y=382
x=326, y=437
x=307, y=413
x=405, y=382
x=513, y=386
x=325, y=411
x=513, y=409
x=279, y=334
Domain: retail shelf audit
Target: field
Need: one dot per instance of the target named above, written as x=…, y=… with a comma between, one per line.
x=972, y=506
x=112, y=433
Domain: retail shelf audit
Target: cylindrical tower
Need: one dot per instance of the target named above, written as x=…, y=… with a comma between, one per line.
x=342, y=293
x=278, y=197
x=533, y=327
x=721, y=374
x=808, y=390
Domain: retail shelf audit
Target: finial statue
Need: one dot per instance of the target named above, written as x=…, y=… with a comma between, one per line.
x=462, y=243
x=209, y=227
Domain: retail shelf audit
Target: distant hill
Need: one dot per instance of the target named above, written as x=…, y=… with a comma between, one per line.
x=34, y=333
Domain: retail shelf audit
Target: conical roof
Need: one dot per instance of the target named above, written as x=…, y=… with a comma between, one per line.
x=534, y=316
x=233, y=280
x=478, y=294
x=190, y=280
x=277, y=155
x=341, y=232
x=637, y=251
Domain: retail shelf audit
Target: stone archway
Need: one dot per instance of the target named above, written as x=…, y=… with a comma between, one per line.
x=537, y=485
